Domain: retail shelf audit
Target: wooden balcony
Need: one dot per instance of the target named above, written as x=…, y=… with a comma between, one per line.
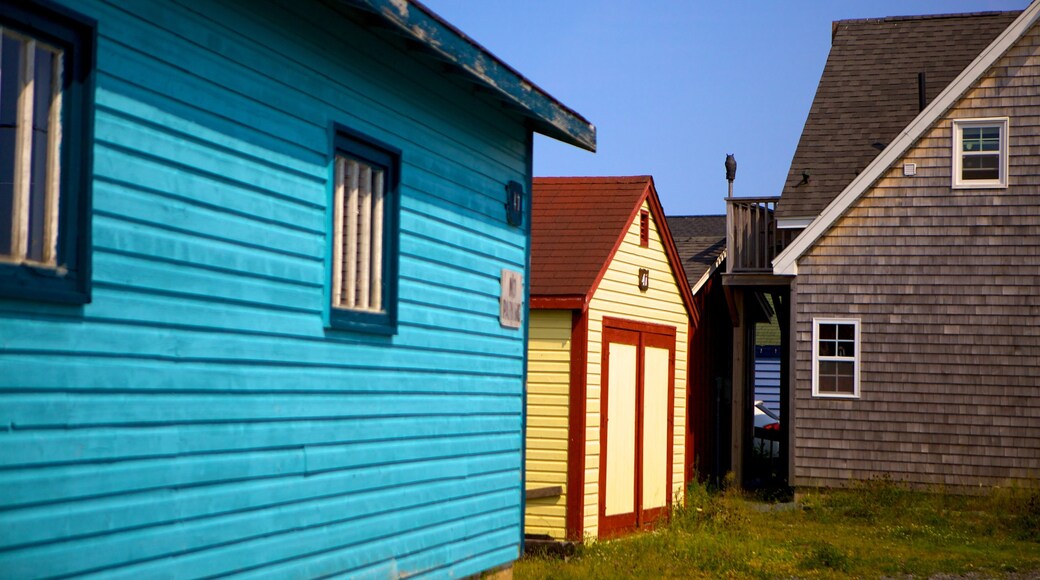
x=752, y=237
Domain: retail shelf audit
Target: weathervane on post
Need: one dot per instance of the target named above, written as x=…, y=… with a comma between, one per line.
x=731, y=171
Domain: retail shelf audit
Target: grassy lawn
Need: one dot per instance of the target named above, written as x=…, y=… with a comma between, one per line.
x=873, y=529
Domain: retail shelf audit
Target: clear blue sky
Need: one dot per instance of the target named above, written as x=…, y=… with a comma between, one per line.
x=674, y=85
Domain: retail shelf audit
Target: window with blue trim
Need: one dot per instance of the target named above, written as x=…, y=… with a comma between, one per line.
x=365, y=234
x=46, y=113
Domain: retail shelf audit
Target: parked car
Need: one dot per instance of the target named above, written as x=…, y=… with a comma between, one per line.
x=767, y=431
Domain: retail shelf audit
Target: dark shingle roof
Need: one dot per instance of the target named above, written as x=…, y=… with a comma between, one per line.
x=868, y=93
x=699, y=240
x=575, y=224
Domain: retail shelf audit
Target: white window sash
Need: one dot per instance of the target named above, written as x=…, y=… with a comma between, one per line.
x=856, y=359
x=351, y=209
x=23, y=152
x=22, y=179
x=359, y=199
x=365, y=238
x=958, y=126
x=377, y=242
x=50, y=247
x=337, y=237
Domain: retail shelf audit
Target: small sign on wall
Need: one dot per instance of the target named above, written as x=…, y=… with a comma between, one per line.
x=511, y=300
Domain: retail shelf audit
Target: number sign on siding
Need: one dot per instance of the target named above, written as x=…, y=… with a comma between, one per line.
x=512, y=299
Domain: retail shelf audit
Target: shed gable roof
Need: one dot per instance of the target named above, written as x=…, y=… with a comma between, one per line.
x=786, y=262
x=701, y=244
x=577, y=225
x=868, y=93
x=432, y=34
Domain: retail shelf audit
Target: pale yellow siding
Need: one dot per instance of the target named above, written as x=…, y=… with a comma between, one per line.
x=618, y=296
x=548, y=385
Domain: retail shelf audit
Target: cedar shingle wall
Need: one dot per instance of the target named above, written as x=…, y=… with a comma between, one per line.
x=947, y=284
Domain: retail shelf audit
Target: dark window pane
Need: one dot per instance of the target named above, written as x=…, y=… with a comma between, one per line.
x=990, y=133
x=845, y=385
x=827, y=331
x=971, y=138
x=980, y=167
x=846, y=332
x=846, y=348
x=9, y=69
x=10, y=66
x=827, y=348
x=827, y=368
x=827, y=384
x=844, y=369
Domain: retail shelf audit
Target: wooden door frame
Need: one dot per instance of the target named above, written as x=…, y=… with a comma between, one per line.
x=665, y=337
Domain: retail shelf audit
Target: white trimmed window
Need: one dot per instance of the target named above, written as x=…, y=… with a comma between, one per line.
x=980, y=153
x=836, y=347
x=364, y=259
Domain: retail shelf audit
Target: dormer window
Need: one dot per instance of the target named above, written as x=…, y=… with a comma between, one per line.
x=980, y=153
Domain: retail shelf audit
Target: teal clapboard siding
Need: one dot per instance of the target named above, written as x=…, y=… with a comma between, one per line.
x=198, y=418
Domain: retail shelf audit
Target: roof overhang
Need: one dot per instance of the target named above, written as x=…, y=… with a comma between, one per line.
x=448, y=44
x=708, y=273
x=562, y=302
x=786, y=263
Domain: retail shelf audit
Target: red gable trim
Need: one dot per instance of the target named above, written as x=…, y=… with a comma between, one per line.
x=650, y=194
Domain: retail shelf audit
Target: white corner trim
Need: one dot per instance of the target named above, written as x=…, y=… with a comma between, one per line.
x=707, y=274
x=784, y=264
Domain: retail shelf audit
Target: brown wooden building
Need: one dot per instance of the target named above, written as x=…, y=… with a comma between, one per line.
x=700, y=242
x=906, y=247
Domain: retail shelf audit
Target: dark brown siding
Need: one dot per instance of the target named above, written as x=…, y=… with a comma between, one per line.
x=947, y=285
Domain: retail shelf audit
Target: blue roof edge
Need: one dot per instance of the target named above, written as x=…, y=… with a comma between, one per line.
x=550, y=117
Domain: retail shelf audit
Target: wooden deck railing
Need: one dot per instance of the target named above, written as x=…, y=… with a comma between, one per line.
x=752, y=238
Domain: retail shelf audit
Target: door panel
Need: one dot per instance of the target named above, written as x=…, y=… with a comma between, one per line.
x=621, y=429
x=655, y=427
x=638, y=372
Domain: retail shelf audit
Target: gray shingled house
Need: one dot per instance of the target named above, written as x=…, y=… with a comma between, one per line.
x=905, y=250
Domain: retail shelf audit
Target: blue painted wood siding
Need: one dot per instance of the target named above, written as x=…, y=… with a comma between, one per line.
x=767, y=377
x=197, y=418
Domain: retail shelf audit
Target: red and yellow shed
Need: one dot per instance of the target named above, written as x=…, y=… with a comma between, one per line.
x=607, y=359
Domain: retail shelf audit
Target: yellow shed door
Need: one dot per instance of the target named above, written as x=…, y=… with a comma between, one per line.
x=638, y=378
x=621, y=429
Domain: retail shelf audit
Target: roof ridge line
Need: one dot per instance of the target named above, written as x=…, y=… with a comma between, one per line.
x=929, y=16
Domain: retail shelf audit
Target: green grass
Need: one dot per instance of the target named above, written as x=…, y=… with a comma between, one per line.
x=873, y=529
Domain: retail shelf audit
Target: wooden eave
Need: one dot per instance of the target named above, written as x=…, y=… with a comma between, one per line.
x=759, y=279
x=548, y=302
x=429, y=32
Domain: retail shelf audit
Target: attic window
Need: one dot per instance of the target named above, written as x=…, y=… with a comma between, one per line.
x=980, y=153
x=644, y=228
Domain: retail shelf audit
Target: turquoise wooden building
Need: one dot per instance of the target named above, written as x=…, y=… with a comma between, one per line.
x=260, y=269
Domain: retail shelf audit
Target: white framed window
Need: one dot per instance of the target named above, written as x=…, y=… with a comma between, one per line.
x=364, y=236
x=980, y=153
x=835, y=362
